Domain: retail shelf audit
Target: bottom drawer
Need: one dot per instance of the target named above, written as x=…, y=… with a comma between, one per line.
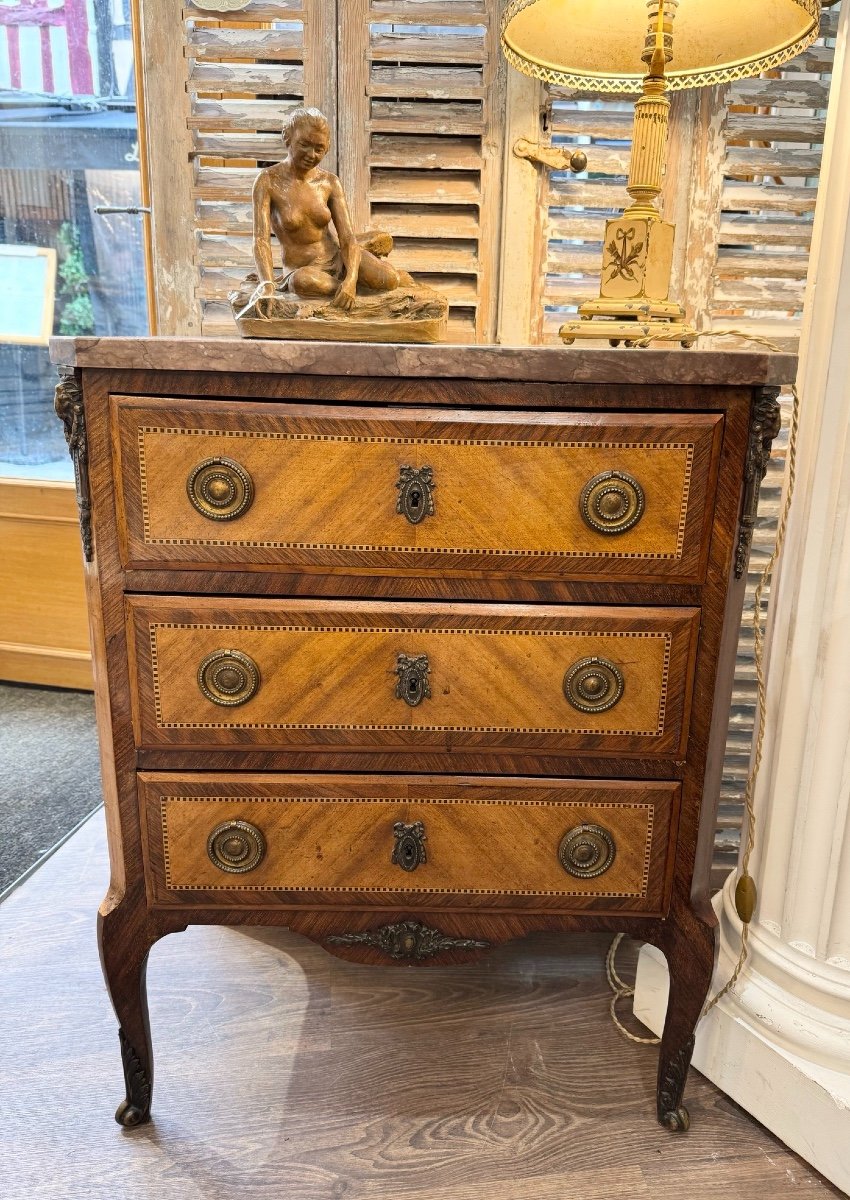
x=415, y=841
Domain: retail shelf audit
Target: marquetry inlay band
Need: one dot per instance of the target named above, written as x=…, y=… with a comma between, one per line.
x=232, y=701
x=640, y=891
x=608, y=551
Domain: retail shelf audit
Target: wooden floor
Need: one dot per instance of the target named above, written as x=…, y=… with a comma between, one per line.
x=284, y=1073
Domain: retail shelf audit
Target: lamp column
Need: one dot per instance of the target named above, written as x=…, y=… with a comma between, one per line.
x=779, y=1044
x=637, y=252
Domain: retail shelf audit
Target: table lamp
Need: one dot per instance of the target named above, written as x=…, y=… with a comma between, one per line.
x=599, y=46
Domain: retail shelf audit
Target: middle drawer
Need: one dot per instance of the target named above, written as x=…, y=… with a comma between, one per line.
x=293, y=674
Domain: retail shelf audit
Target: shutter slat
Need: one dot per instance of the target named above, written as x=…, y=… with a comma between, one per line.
x=742, y=161
x=258, y=79
x=768, y=198
x=228, y=44
x=408, y=48
x=423, y=82
x=775, y=127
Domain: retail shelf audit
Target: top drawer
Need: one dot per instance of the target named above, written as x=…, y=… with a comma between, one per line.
x=548, y=495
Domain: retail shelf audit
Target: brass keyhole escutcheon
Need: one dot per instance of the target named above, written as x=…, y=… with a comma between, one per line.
x=236, y=846
x=586, y=851
x=409, y=849
x=415, y=500
x=412, y=685
x=612, y=502
x=228, y=677
x=220, y=489
x=593, y=685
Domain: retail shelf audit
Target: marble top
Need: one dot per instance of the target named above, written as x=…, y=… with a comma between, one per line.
x=545, y=364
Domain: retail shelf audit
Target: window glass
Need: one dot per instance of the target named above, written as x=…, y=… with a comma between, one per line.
x=68, y=146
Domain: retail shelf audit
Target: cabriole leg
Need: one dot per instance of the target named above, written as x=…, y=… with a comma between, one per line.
x=689, y=950
x=125, y=937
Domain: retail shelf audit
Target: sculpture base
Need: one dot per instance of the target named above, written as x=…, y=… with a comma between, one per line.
x=407, y=314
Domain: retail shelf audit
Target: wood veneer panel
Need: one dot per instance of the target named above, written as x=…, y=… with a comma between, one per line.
x=329, y=840
x=44, y=632
x=507, y=488
x=328, y=674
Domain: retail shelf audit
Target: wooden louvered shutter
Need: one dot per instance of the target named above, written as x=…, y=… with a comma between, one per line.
x=768, y=189
x=414, y=92
x=741, y=185
x=217, y=86
x=421, y=114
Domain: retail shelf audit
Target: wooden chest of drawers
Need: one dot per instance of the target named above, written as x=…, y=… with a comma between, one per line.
x=413, y=650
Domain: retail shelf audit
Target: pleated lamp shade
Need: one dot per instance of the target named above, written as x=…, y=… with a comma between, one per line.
x=596, y=45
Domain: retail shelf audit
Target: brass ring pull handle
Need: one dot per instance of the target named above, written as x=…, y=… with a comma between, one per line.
x=236, y=846
x=409, y=850
x=586, y=851
x=228, y=677
x=612, y=502
x=220, y=489
x=415, y=499
x=412, y=685
x=593, y=685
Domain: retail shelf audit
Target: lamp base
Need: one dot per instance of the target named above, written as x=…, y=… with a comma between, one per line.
x=634, y=288
x=631, y=332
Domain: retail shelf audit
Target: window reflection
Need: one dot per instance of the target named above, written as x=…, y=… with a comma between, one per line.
x=68, y=145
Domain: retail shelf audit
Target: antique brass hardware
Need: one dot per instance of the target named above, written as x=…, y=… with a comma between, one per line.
x=551, y=156
x=412, y=686
x=68, y=403
x=407, y=939
x=228, y=677
x=220, y=489
x=612, y=502
x=765, y=425
x=415, y=499
x=593, y=685
x=586, y=851
x=409, y=849
x=236, y=846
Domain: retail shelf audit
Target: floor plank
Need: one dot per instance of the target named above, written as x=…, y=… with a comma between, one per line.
x=285, y=1073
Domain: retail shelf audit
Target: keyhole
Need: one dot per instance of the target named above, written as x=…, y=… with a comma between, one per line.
x=408, y=853
x=412, y=686
x=415, y=498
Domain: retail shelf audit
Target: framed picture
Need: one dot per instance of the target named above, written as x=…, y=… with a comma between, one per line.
x=27, y=294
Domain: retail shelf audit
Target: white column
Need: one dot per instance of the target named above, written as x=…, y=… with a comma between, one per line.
x=780, y=1043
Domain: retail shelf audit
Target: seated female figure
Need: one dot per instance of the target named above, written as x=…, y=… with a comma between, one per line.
x=302, y=205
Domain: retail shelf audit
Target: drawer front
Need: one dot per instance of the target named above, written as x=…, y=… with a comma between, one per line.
x=266, y=839
x=291, y=674
x=615, y=495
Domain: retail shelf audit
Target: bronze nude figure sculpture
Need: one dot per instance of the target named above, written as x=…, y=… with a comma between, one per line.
x=334, y=285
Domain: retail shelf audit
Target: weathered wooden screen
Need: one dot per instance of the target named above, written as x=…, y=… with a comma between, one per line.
x=420, y=142
x=217, y=87
x=412, y=91
x=742, y=185
x=774, y=134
